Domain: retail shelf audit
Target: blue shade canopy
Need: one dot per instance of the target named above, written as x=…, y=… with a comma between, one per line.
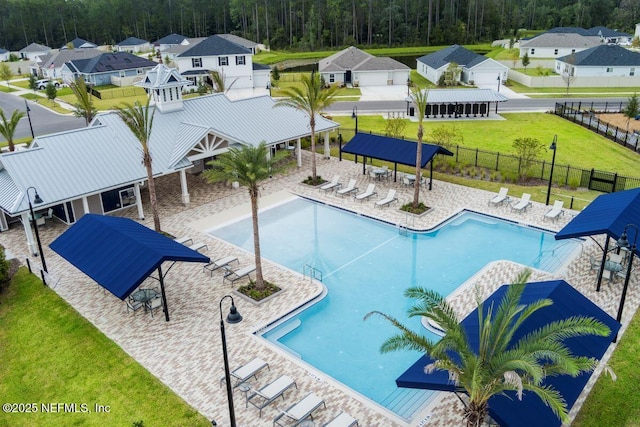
x=392, y=149
x=507, y=410
x=607, y=214
x=119, y=253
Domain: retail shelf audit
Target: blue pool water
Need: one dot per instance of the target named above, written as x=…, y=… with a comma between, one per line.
x=367, y=265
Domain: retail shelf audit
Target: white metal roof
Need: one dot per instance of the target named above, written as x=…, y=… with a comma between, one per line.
x=463, y=96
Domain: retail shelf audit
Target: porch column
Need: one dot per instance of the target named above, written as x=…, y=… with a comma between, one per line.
x=327, y=150
x=28, y=233
x=136, y=190
x=299, y=151
x=85, y=206
x=183, y=185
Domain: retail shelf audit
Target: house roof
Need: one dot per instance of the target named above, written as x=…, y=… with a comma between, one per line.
x=108, y=62
x=606, y=32
x=570, y=40
x=570, y=30
x=183, y=46
x=458, y=54
x=170, y=39
x=355, y=59
x=160, y=76
x=79, y=43
x=604, y=55
x=132, y=41
x=107, y=155
x=257, y=66
x=3, y=50
x=58, y=59
x=239, y=40
x=215, y=46
x=457, y=96
x=35, y=47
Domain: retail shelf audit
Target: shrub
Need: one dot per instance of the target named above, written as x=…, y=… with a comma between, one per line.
x=574, y=182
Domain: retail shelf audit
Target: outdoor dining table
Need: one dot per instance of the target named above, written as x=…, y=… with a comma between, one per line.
x=144, y=296
x=410, y=177
x=380, y=173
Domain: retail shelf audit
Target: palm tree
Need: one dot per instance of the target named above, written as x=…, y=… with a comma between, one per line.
x=139, y=119
x=500, y=364
x=84, y=106
x=247, y=165
x=419, y=99
x=8, y=127
x=311, y=99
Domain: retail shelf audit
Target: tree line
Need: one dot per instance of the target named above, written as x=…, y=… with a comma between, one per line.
x=303, y=24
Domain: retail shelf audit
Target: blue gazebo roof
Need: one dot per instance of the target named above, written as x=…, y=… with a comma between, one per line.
x=507, y=410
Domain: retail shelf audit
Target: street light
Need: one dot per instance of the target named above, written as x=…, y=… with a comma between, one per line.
x=37, y=200
x=623, y=242
x=269, y=87
x=29, y=117
x=408, y=85
x=354, y=115
x=553, y=162
x=498, y=82
x=232, y=317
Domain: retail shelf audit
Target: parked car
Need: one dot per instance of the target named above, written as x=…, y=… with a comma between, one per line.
x=42, y=84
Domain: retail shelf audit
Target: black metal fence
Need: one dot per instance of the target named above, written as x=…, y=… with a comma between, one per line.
x=584, y=114
x=511, y=168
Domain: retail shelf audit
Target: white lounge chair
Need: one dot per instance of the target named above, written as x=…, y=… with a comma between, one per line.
x=220, y=263
x=342, y=420
x=350, y=188
x=389, y=198
x=523, y=203
x=555, y=211
x=271, y=392
x=183, y=240
x=329, y=186
x=370, y=191
x=300, y=411
x=248, y=370
x=199, y=245
x=233, y=276
x=500, y=198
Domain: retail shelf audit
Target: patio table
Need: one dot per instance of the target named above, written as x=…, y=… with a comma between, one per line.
x=144, y=296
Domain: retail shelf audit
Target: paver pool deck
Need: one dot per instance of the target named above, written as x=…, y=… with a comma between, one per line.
x=185, y=353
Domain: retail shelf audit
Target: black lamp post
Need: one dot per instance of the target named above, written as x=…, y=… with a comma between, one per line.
x=623, y=242
x=553, y=163
x=232, y=317
x=29, y=117
x=408, y=85
x=354, y=115
x=37, y=200
x=269, y=87
x=498, y=82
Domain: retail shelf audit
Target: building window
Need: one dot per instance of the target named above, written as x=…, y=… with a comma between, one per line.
x=632, y=72
x=139, y=71
x=196, y=62
x=332, y=78
x=609, y=69
x=223, y=60
x=240, y=60
x=170, y=95
x=177, y=93
x=164, y=95
x=573, y=51
x=555, y=51
x=533, y=51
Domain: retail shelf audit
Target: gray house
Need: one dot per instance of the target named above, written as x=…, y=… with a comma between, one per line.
x=50, y=66
x=354, y=66
x=134, y=45
x=474, y=68
x=120, y=69
x=33, y=51
x=79, y=43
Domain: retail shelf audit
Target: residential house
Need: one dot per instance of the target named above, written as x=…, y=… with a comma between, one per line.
x=254, y=47
x=611, y=36
x=556, y=45
x=173, y=51
x=50, y=66
x=133, y=45
x=98, y=169
x=169, y=41
x=475, y=69
x=354, y=66
x=79, y=43
x=601, y=61
x=34, y=50
x=233, y=61
x=4, y=54
x=120, y=69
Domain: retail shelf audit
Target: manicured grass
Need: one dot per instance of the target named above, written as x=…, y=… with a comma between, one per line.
x=288, y=80
x=536, y=72
x=21, y=83
x=51, y=354
x=577, y=146
x=552, y=92
x=615, y=403
x=500, y=54
x=6, y=89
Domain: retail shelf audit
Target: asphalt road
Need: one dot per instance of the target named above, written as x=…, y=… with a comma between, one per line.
x=43, y=120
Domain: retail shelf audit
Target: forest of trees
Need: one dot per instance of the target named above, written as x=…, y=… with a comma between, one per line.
x=302, y=24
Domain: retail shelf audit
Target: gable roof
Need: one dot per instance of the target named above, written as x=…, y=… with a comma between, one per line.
x=355, y=59
x=570, y=40
x=606, y=32
x=132, y=41
x=170, y=39
x=215, y=46
x=163, y=76
x=3, y=50
x=108, y=62
x=604, y=55
x=184, y=46
x=79, y=43
x=35, y=47
x=458, y=54
x=240, y=41
x=58, y=59
x=569, y=30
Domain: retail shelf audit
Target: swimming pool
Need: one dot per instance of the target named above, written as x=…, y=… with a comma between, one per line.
x=367, y=265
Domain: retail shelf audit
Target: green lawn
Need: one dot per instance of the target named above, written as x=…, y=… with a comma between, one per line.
x=6, y=89
x=552, y=92
x=51, y=354
x=577, y=146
